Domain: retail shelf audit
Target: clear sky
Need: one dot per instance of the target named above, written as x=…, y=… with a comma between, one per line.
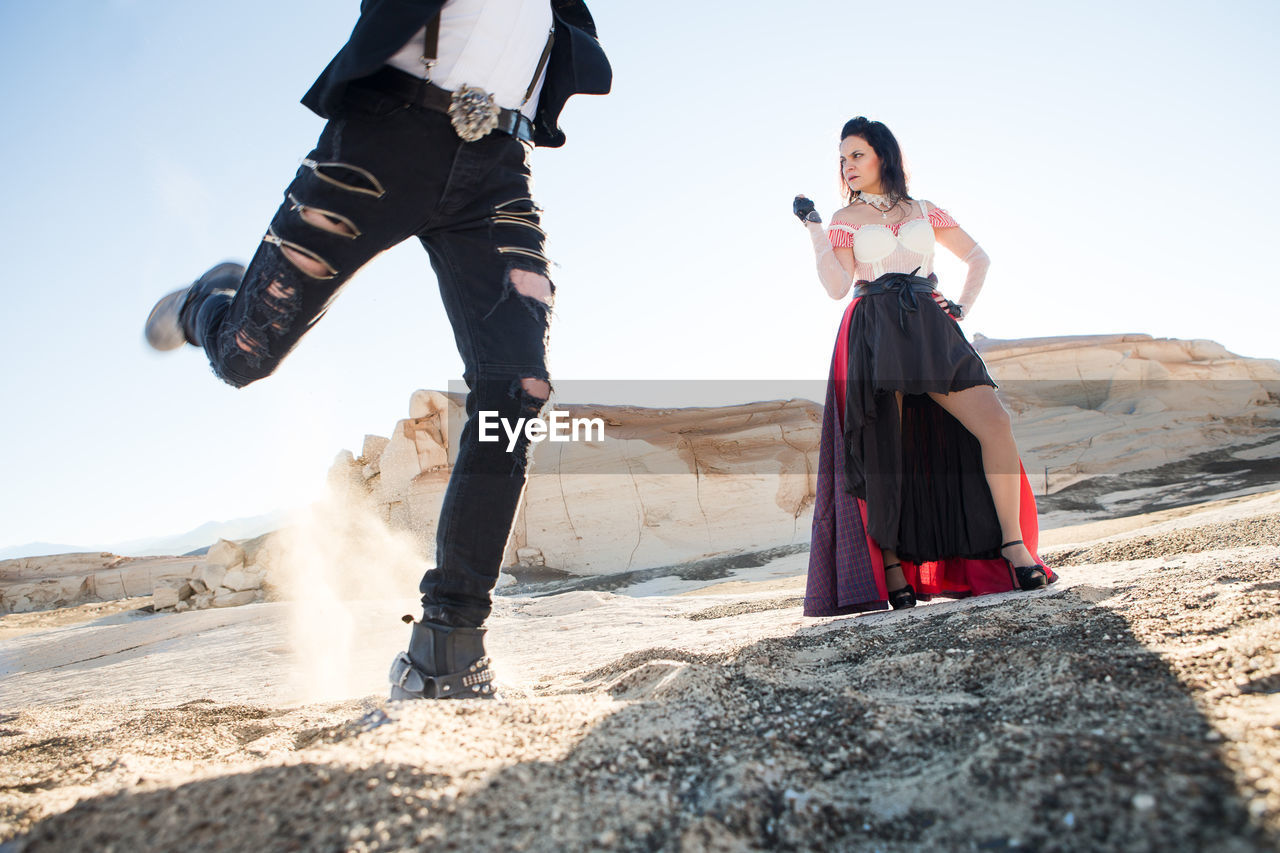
x=1116, y=160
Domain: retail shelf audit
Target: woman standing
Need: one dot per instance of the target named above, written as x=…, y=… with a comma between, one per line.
x=920, y=489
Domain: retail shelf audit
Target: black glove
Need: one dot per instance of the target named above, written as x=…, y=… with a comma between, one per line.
x=804, y=209
x=955, y=309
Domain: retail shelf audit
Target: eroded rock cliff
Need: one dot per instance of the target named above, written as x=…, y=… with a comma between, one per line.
x=1130, y=415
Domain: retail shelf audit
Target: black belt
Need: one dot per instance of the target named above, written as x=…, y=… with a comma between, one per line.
x=905, y=285
x=424, y=93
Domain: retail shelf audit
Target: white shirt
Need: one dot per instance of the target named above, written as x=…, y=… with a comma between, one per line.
x=492, y=44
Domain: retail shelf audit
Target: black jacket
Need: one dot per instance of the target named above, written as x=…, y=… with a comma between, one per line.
x=577, y=64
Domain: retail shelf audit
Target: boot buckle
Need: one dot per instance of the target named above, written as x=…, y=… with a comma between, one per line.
x=406, y=668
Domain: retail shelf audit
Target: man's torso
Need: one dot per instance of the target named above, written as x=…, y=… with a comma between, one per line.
x=494, y=45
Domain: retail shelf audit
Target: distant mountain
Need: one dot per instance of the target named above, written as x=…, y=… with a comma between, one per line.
x=40, y=549
x=184, y=543
x=202, y=537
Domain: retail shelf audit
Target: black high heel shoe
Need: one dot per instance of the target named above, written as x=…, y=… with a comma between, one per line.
x=1029, y=577
x=901, y=598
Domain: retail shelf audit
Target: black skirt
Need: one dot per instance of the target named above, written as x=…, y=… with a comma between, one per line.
x=920, y=474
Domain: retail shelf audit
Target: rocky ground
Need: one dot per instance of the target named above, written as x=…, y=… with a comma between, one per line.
x=1135, y=705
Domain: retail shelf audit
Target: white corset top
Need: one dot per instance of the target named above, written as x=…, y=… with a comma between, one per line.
x=904, y=247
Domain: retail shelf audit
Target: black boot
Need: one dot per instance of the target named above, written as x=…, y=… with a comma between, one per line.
x=171, y=322
x=443, y=662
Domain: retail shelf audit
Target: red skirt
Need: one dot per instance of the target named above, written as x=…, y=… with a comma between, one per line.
x=846, y=570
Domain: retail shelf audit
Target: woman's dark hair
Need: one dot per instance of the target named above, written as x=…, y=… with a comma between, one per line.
x=893, y=175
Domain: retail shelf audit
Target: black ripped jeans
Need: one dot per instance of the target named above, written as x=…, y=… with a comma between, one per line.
x=384, y=171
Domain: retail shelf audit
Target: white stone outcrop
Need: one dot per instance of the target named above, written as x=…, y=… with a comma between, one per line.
x=1092, y=405
x=231, y=598
x=665, y=485
x=226, y=554
x=210, y=575
x=670, y=486
x=673, y=485
x=65, y=580
x=213, y=586
x=372, y=452
x=173, y=583
x=345, y=477
x=238, y=581
x=403, y=476
x=164, y=596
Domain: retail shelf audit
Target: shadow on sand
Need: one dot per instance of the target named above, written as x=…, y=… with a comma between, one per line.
x=1048, y=727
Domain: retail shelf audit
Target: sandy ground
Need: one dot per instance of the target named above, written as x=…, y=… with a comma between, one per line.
x=1134, y=705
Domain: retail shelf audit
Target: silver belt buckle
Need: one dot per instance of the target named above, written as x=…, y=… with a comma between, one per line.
x=473, y=113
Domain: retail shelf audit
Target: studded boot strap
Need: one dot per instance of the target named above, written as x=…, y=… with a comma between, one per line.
x=476, y=681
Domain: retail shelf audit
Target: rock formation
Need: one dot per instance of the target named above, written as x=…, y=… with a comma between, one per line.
x=674, y=485
x=1107, y=425
x=1092, y=412
x=668, y=486
x=663, y=486
x=39, y=583
x=220, y=578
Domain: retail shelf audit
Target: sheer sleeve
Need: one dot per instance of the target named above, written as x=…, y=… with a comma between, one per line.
x=834, y=277
x=951, y=235
x=978, y=262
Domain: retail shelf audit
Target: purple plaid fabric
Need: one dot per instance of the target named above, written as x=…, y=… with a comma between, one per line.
x=841, y=574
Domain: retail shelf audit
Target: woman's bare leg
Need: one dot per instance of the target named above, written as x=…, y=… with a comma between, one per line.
x=979, y=411
x=894, y=579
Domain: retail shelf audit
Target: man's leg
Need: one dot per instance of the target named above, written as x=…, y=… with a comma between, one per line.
x=362, y=190
x=493, y=280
